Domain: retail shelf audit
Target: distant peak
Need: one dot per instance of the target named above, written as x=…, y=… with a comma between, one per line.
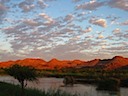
x=117, y=57
x=32, y=59
x=96, y=60
x=54, y=59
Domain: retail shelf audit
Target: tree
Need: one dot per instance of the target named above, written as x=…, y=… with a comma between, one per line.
x=22, y=74
x=69, y=80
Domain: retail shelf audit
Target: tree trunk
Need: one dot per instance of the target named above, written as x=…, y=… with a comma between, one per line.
x=22, y=88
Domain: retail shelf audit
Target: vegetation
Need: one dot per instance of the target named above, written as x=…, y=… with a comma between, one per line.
x=89, y=75
x=124, y=83
x=14, y=90
x=111, y=84
x=68, y=80
x=22, y=74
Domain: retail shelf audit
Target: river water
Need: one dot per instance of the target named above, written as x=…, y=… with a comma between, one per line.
x=57, y=83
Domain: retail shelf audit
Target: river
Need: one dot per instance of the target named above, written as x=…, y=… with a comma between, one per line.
x=57, y=83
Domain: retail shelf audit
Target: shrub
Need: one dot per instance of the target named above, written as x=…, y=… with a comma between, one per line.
x=111, y=84
x=124, y=83
x=69, y=80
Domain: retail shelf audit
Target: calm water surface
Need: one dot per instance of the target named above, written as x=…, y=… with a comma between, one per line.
x=56, y=83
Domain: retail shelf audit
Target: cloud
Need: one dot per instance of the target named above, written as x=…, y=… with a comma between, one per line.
x=44, y=15
x=76, y=1
x=116, y=31
x=31, y=33
x=47, y=18
x=71, y=50
x=69, y=17
x=37, y=34
x=125, y=36
x=3, y=10
x=88, y=29
x=110, y=37
x=103, y=47
x=120, y=4
x=67, y=30
x=29, y=5
x=118, y=48
x=30, y=22
x=26, y=6
x=100, y=36
x=5, y=47
x=126, y=30
x=92, y=5
x=42, y=4
x=48, y=0
x=99, y=22
x=124, y=23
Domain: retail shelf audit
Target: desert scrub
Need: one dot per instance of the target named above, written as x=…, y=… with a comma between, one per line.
x=7, y=89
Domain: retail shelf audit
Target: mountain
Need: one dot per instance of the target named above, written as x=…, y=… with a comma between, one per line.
x=54, y=63
x=108, y=64
x=91, y=63
x=36, y=63
x=6, y=64
x=41, y=64
x=117, y=62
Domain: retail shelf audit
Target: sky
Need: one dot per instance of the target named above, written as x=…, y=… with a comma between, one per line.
x=63, y=29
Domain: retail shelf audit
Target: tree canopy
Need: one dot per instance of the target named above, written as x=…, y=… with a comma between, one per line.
x=22, y=74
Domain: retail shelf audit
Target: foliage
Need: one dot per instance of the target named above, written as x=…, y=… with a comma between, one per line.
x=22, y=74
x=69, y=80
x=111, y=84
x=124, y=82
x=2, y=72
x=14, y=90
x=91, y=75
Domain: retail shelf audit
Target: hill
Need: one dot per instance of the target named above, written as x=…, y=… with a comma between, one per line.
x=108, y=64
x=42, y=64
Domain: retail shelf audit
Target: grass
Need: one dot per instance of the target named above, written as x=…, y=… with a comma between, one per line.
x=7, y=89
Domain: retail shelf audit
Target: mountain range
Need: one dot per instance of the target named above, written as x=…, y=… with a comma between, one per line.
x=109, y=64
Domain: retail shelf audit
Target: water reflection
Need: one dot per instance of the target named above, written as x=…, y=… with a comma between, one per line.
x=56, y=83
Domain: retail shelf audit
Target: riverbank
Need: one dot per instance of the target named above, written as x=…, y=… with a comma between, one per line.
x=56, y=83
x=7, y=89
